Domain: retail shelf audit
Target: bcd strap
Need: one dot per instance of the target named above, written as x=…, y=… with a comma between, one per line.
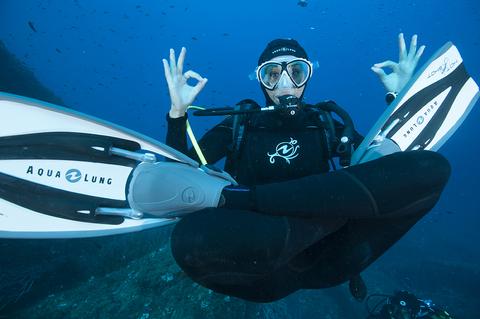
x=329, y=127
x=344, y=143
x=239, y=121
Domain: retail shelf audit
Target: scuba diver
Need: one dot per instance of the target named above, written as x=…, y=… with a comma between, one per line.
x=404, y=305
x=294, y=221
x=287, y=219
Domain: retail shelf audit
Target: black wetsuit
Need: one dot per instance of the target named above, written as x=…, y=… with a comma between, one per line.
x=299, y=226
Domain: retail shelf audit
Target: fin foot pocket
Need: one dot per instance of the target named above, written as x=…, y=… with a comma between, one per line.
x=168, y=189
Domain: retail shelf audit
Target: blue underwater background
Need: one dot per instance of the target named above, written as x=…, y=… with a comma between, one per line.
x=104, y=58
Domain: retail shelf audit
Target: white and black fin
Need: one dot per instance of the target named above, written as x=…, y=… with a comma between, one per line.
x=428, y=111
x=65, y=175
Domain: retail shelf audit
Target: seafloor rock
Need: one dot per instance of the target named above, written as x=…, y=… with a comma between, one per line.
x=148, y=287
x=154, y=287
x=16, y=78
x=38, y=268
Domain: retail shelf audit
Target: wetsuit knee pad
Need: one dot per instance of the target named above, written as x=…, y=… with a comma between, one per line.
x=400, y=179
x=428, y=171
x=435, y=163
x=218, y=263
x=219, y=241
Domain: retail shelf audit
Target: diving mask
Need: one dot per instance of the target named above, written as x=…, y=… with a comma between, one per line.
x=298, y=70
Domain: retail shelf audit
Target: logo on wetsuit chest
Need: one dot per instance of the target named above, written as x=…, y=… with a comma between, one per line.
x=285, y=150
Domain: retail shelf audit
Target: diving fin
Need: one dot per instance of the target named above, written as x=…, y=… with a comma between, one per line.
x=427, y=112
x=64, y=174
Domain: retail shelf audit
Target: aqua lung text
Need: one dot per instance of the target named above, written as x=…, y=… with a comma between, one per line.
x=420, y=119
x=445, y=67
x=51, y=173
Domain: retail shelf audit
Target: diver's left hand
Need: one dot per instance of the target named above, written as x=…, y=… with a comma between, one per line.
x=403, y=70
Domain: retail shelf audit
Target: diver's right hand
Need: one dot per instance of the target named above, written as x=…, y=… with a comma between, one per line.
x=181, y=94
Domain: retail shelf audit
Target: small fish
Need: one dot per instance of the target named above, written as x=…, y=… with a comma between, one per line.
x=194, y=38
x=30, y=24
x=302, y=3
x=58, y=50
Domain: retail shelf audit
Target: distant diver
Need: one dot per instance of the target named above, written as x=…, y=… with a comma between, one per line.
x=404, y=305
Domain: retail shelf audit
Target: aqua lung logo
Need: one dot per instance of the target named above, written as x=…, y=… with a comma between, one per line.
x=284, y=50
x=285, y=150
x=421, y=119
x=446, y=66
x=188, y=195
x=72, y=175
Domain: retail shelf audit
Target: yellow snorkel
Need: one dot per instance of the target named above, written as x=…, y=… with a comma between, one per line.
x=193, y=139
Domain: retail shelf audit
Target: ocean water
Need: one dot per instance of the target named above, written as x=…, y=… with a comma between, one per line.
x=104, y=58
